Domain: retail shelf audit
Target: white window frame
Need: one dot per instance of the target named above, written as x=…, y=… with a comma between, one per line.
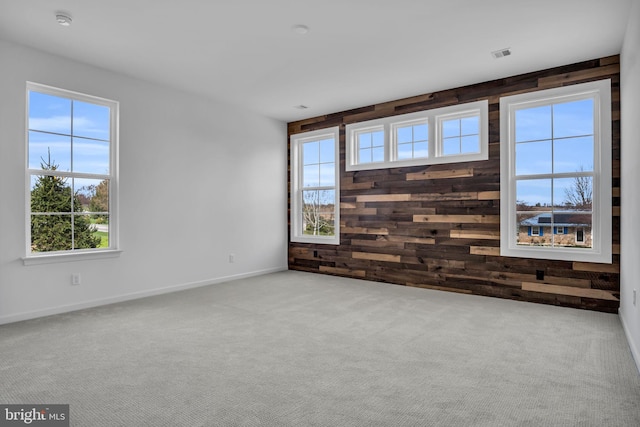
x=112, y=250
x=434, y=119
x=600, y=92
x=535, y=230
x=296, y=142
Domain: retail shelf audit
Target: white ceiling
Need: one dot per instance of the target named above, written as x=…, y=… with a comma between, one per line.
x=357, y=53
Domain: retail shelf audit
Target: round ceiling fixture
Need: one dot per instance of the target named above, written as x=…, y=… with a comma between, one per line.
x=63, y=19
x=300, y=29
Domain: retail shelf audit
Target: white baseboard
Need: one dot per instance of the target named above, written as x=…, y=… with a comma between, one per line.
x=131, y=296
x=632, y=345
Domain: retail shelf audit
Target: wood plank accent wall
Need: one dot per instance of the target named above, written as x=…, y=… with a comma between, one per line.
x=438, y=226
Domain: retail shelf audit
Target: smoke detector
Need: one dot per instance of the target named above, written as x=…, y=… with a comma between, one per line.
x=63, y=19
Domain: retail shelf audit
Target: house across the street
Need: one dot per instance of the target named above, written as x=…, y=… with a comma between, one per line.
x=564, y=228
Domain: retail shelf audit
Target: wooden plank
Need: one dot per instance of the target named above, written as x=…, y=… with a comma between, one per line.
x=384, y=198
x=484, y=250
x=358, y=211
x=472, y=234
x=598, y=268
x=377, y=243
x=441, y=197
x=409, y=239
x=568, y=290
x=364, y=230
x=470, y=219
x=576, y=76
x=452, y=173
x=440, y=288
x=376, y=257
x=343, y=271
x=488, y=195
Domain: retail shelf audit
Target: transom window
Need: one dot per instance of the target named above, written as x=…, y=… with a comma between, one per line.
x=556, y=173
x=412, y=140
x=315, y=186
x=458, y=133
x=71, y=172
x=370, y=146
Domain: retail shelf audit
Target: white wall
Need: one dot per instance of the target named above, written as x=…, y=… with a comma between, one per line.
x=630, y=177
x=198, y=180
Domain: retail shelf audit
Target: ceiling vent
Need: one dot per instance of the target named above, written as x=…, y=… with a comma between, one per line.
x=501, y=52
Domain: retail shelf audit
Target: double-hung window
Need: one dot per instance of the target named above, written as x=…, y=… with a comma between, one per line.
x=556, y=173
x=71, y=174
x=458, y=133
x=315, y=181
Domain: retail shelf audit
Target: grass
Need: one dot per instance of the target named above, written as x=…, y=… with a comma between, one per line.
x=104, y=238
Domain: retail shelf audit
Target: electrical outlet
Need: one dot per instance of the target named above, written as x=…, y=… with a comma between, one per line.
x=75, y=279
x=232, y=258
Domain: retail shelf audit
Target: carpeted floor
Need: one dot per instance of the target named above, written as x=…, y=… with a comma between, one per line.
x=297, y=349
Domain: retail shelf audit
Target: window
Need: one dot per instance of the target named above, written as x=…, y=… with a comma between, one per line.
x=315, y=212
x=444, y=135
x=71, y=173
x=556, y=172
x=535, y=231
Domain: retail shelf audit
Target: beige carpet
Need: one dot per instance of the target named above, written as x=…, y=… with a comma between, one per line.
x=297, y=349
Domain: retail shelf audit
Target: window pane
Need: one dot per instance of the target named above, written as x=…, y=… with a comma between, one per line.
x=420, y=149
x=90, y=156
x=405, y=151
x=101, y=229
x=318, y=214
x=534, y=228
x=470, y=126
x=84, y=233
x=311, y=153
x=573, y=193
x=49, y=152
x=92, y=194
x=327, y=151
x=533, y=124
x=91, y=120
x=470, y=144
x=378, y=154
x=49, y=113
x=364, y=140
x=533, y=158
x=50, y=233
x=532, y=193
x=327, y=175
x=421, y=133
x=450, y=128
x=364, y=155
x=50, y=194
x=405, y=134
x=573, y=119
x=573, y=155
x=378, y=138
x=451, y=146
x=311, y=176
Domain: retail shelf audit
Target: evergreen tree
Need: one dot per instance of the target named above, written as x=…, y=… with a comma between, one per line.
x=52, y=194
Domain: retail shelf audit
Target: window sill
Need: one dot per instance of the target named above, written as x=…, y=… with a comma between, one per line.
x=70, y=257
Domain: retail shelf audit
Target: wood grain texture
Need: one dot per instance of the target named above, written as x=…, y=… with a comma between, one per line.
x=438, y=226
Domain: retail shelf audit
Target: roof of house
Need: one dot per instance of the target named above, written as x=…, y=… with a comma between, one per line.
x=560, y=219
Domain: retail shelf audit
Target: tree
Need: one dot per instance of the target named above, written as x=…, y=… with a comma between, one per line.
x=317, y=213
x=52, y=196
x=100, y=199
x=580, y=194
